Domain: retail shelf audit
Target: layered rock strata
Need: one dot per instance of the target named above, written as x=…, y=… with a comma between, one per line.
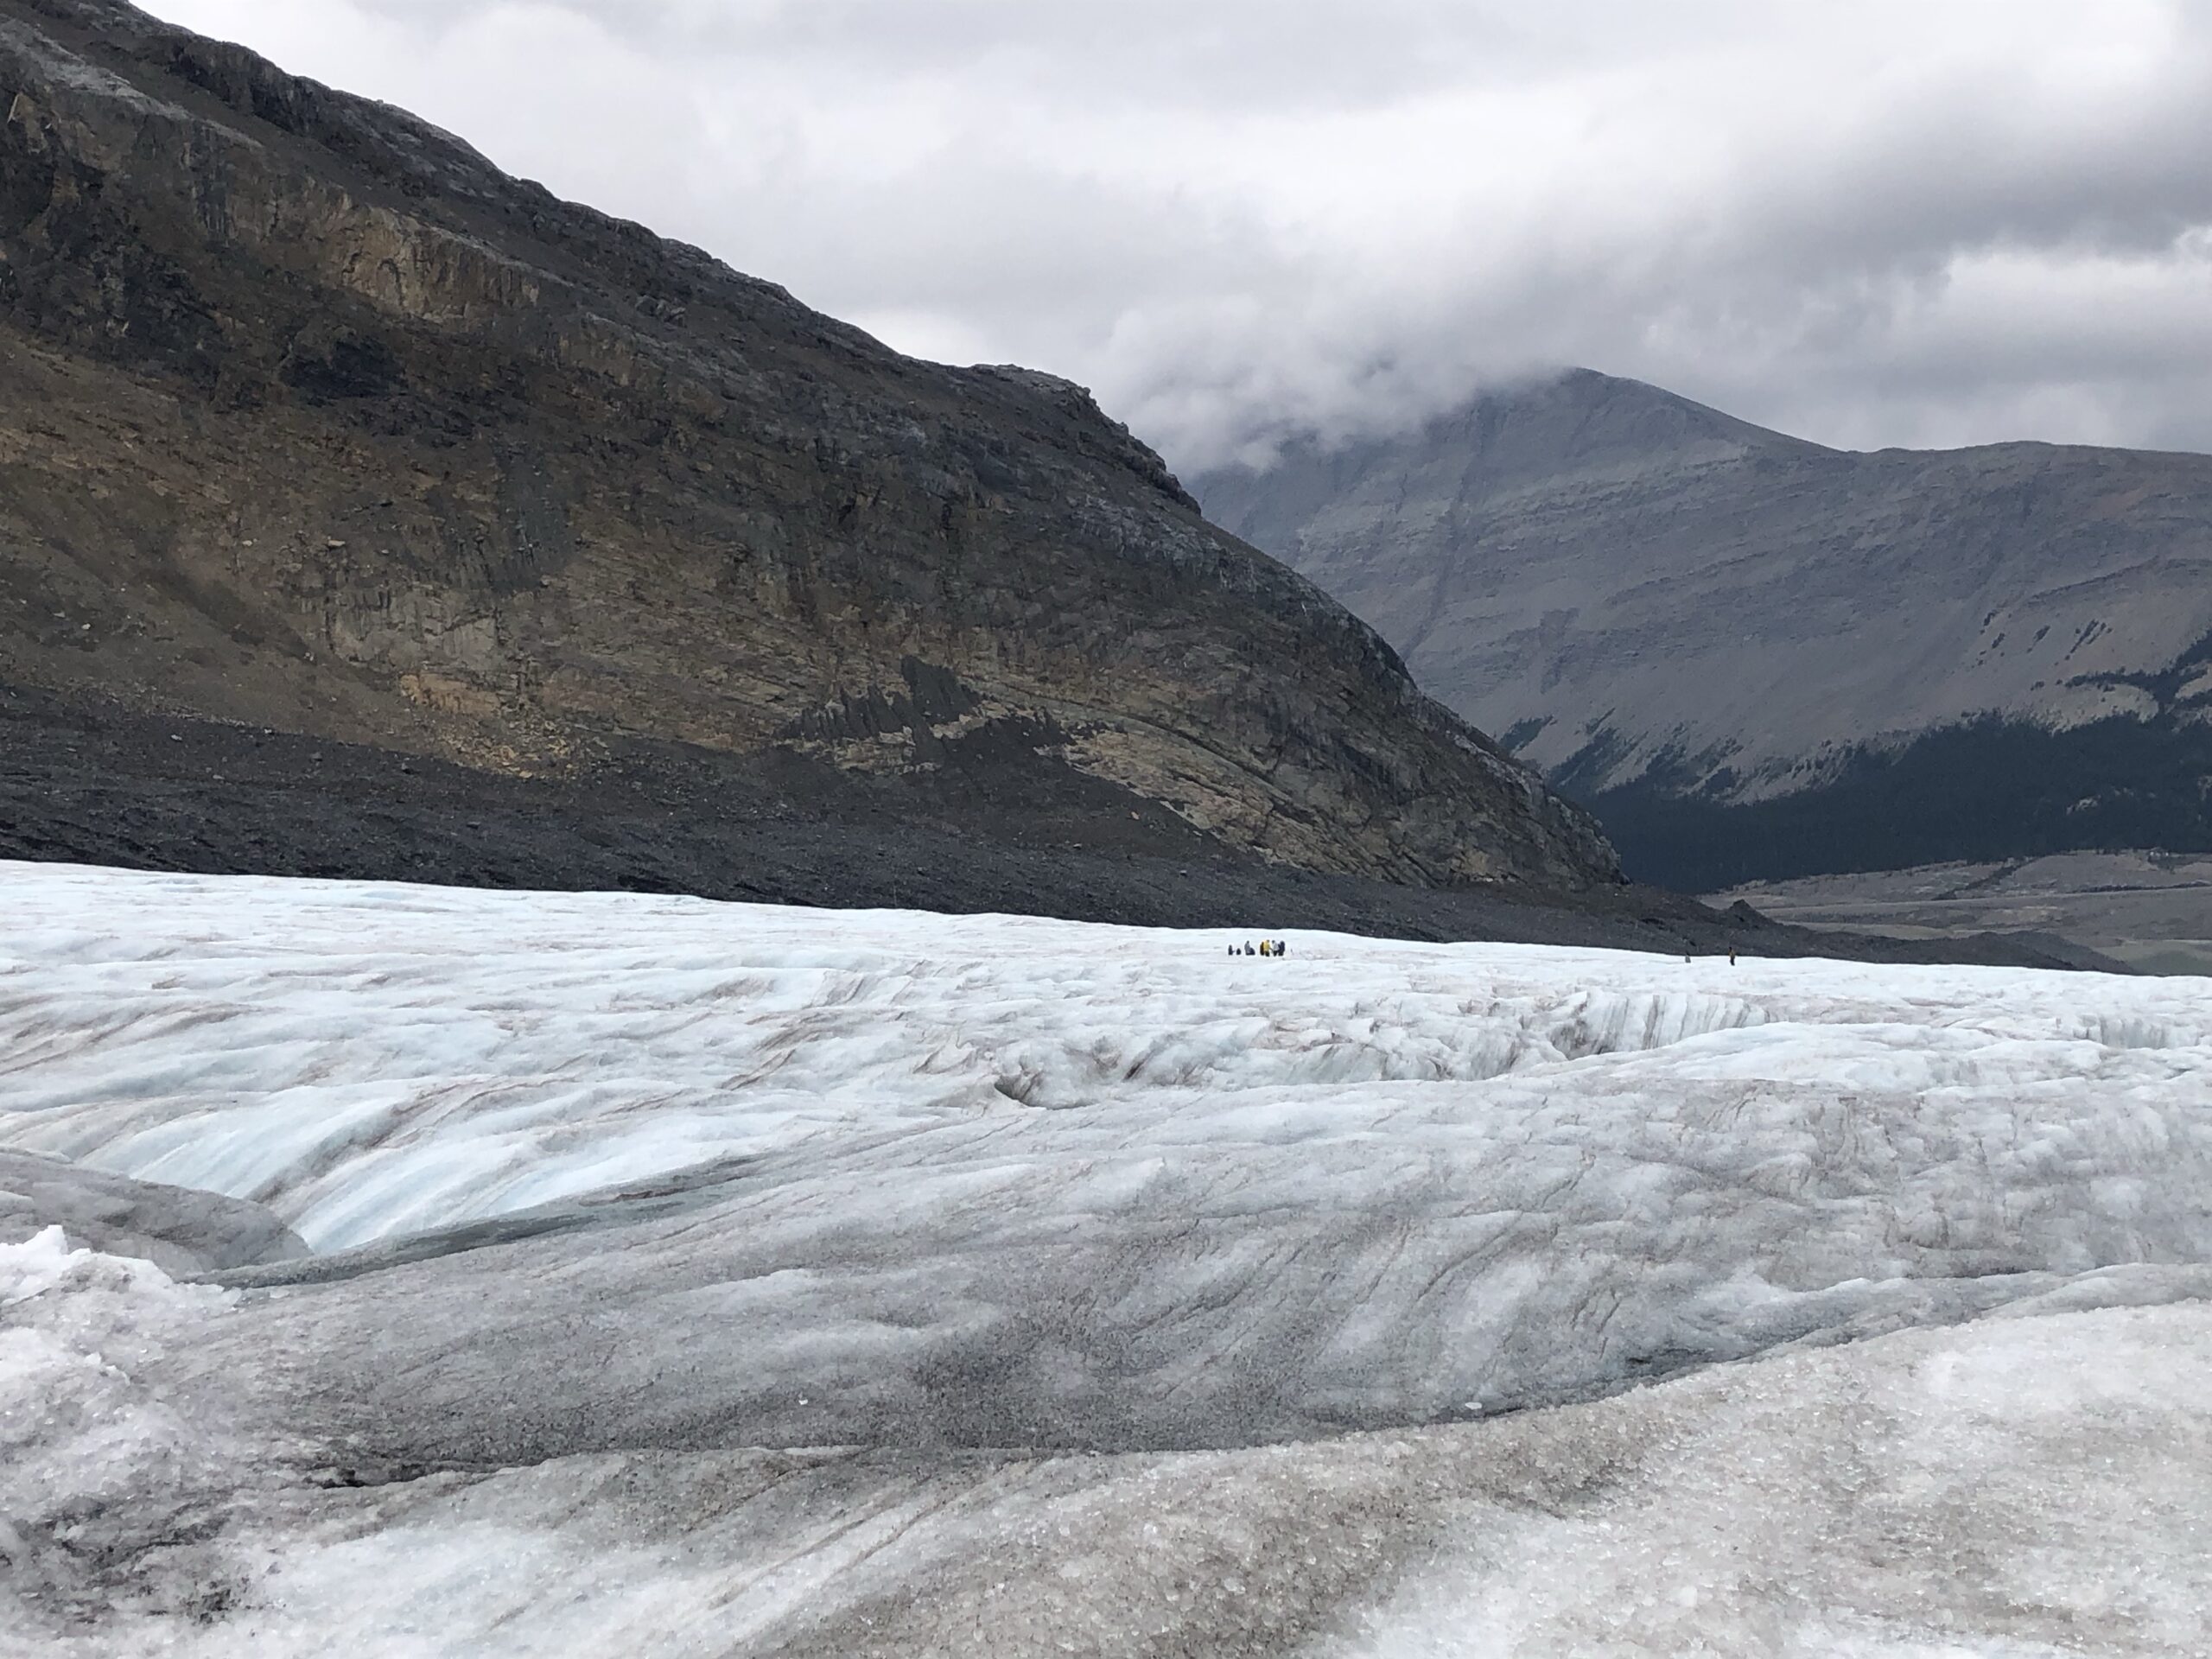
x=313, y=421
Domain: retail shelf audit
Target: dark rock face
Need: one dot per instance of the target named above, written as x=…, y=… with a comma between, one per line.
x=1756, y=656
x=313, y=421
x=101, y=786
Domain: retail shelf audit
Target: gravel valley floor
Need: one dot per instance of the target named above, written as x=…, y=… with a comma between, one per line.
x=2152, y=911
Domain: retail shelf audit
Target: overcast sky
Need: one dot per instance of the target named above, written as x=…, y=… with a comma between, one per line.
x=1864, y=221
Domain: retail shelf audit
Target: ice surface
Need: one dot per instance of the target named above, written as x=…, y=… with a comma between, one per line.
x=182, y=1230
x=628, y=1202
x=96, y=1463
x=372, y=1060
x=2027, y=1486
x=899, y=1179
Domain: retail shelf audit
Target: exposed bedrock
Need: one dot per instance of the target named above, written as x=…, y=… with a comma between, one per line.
x=311, y=419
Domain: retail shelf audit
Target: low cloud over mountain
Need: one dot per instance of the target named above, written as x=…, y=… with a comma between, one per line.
x=1867, y=223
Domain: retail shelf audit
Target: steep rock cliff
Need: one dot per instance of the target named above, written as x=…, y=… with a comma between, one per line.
x=313, y=421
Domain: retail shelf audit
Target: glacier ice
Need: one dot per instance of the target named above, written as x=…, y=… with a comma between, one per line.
x=182, y=1230
x=702, y=1278
x=2013, y=1487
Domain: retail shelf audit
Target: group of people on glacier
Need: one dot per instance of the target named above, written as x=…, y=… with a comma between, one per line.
x=1268, y=948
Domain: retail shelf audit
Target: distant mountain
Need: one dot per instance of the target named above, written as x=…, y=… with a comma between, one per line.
x=340, y=469
x=1758, y=657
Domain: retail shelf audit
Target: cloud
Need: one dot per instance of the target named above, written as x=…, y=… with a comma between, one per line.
x=1866, y=221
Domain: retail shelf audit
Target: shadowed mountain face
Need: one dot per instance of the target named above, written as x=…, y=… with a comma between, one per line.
x=313, y=423
x=1757, y=657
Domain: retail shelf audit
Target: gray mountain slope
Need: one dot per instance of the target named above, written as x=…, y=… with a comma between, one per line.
x=1665, y=608
x=314, y=424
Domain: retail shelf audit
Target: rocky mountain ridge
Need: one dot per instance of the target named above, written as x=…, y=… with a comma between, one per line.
x=1756, y=656
x=314, y=422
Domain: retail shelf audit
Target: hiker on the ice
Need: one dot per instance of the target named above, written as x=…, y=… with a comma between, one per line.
x=1266, y=950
